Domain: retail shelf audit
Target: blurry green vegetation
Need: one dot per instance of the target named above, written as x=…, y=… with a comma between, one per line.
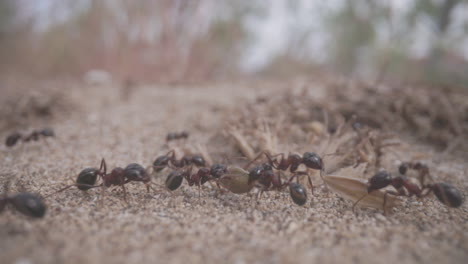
x=207, y=39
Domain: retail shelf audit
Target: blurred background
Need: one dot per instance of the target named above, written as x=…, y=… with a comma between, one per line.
x=203, y=40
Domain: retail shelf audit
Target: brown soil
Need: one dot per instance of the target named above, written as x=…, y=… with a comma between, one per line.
x=130, y=125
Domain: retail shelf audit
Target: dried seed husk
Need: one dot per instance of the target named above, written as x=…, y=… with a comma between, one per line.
x=236, y=180
x=353, y=189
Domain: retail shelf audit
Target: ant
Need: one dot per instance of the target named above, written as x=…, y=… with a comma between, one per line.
x=26, y=203
x=118, y=176
x=264, y=175
x=169, y=159
x=203, y=175
x=13, y=138
x=292, y=162
x=177, y=135
x=446, y=193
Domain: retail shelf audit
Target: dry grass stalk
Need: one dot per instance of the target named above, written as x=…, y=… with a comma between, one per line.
x=241, y=143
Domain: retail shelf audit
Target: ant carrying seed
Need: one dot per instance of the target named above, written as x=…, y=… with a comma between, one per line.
x=13, y=138
x=28, y=204
x=177, y=135
x=292, y=162
x=169, y=159
x=264, y=176
x=446, y=193
x=203, y=175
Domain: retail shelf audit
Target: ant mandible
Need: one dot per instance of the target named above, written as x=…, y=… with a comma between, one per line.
x=446, y=193
x=26, y=203
x=163, y=161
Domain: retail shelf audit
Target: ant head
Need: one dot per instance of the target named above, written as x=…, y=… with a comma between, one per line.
x=29, y=204
x=47, y=132
x=312, y=160
x=198, y=160
x=403, y=168
x=87, y=178
x=267, y=167
x=298, y=193
x=136, y=172
x=184, y=134
x=174, y=180
x=171, y=136
x=380, y=180
x=447, y=194
x=217, y=170
x=255, y=173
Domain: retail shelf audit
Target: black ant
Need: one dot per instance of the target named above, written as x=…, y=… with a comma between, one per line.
x=26, y=203
x=264, y=175
x=118, y=176
x=203, y=175
x=169, y=159
x=446, y=193
x=177, y=136
x=13, y=138
x=292, y=162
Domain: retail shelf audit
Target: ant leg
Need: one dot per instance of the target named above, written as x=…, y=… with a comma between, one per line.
x=125, y=193
x=148, y=186
x=263, y=152
x=69, y=186
x=311, y=185
x=103, y=166
x=259, y=194
x=423, y=172
x=101, y=203
x=355, y=203
x=309, y=179
x=63, y=189
x=274, y=163
x=290, y=180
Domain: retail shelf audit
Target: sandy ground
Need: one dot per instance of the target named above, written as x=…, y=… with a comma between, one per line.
x=218, y=227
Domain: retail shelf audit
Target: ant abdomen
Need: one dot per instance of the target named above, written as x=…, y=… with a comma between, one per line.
x=87, y=178
x=12, y=139
x=380, y=180
x=160, y=163
x=198, y=160
x=28, y=204
x=447, y=194
x=174, y=180
x=298, y=193
x=312, y=160
x=136, y=172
